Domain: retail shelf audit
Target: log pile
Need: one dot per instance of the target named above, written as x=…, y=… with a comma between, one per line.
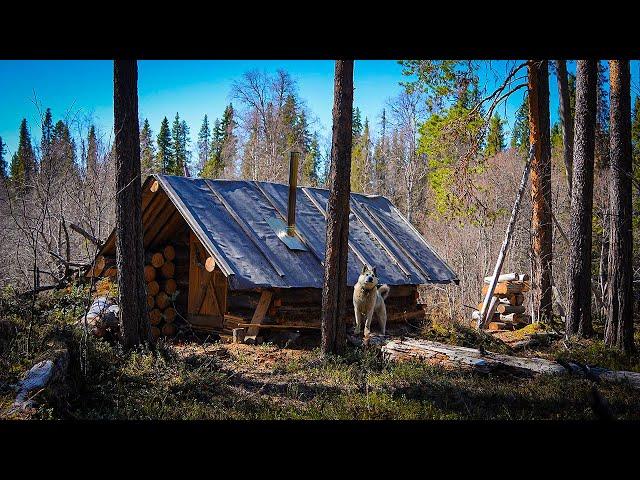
x=162, y=291
x=506, y=310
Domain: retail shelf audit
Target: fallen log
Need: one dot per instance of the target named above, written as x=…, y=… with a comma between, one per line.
x=488, y=362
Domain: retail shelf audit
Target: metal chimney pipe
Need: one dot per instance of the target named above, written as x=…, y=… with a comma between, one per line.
x=294, y=160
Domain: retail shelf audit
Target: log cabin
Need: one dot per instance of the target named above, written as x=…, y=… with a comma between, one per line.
x=250, y=254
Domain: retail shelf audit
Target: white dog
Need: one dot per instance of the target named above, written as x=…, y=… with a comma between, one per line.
x=367, y=299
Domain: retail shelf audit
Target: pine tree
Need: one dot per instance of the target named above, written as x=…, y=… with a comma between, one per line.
x=3, y=161
x=92, y=152
x=134, y=325
x=618, y=330
x=495, y=139
x=334, y=286
x=165, y=148
x=148, y=159
x=578, y=318
x=541, y=222
x=204, y=143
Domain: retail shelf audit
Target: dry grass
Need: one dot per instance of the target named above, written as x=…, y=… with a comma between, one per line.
x=203, y=380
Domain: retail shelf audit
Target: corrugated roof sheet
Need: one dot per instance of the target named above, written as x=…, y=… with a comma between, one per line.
x=230, y=219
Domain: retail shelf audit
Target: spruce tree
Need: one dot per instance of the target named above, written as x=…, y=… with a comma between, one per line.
x=63, y=150
x=635, y=155
x=3, y=161
x=360, y=160
x=520, y=132
x=16, y=171
x=380, y=156
x=45, y=141
x=184, y=143
x=222, y=146
x=204, y=143
x=23, y=161
x=165, y=149
x=356, y=124
x=148, y=160
x=311, y=162
x=180, y=134
x=92, y=152
x=495, y=139
x=178, y=154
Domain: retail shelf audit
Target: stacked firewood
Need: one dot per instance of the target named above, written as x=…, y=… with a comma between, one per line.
x=162, y=291
x=506, y=309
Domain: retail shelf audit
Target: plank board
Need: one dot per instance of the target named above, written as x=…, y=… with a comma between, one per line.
x=259, y=314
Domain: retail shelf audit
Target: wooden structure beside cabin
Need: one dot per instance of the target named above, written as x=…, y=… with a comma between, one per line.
x=233, y=265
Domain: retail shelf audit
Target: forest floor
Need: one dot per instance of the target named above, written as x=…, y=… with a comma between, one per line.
x=194, y=378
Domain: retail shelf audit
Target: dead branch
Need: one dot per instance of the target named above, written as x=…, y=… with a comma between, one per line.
x=86, y=235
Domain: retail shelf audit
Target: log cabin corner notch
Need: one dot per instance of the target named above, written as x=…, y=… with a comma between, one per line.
x=229, y=251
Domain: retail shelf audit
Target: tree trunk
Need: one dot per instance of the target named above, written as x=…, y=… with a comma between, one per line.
x=134, y=326
x=541, y=221
x=579, y=294
x=619, y=324
x=334, y=290
x=566, y=119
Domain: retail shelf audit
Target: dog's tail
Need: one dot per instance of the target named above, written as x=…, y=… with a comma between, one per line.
x=383, y=290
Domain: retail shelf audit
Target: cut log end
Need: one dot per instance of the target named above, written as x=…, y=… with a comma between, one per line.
x=149, y=273
x=169, y=253
x=210, y=264
x=157, y=260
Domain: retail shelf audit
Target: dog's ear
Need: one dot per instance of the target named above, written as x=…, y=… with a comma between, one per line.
x=364, y=268
x=374, y=271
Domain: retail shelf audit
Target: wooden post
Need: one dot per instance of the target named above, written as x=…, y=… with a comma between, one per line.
x=258, y=315
x=505, y=244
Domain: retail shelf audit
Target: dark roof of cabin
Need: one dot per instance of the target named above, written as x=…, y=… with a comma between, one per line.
x=230, y=217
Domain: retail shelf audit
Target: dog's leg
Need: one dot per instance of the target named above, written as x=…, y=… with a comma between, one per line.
x=367, y=325
x=382, y=315
x=358, y=320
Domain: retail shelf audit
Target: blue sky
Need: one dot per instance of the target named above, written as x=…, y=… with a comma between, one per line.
x=83, y=89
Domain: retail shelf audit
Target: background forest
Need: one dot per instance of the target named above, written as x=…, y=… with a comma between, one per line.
x=439, y=151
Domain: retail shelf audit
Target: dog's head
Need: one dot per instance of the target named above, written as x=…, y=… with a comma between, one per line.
x=368, y=278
